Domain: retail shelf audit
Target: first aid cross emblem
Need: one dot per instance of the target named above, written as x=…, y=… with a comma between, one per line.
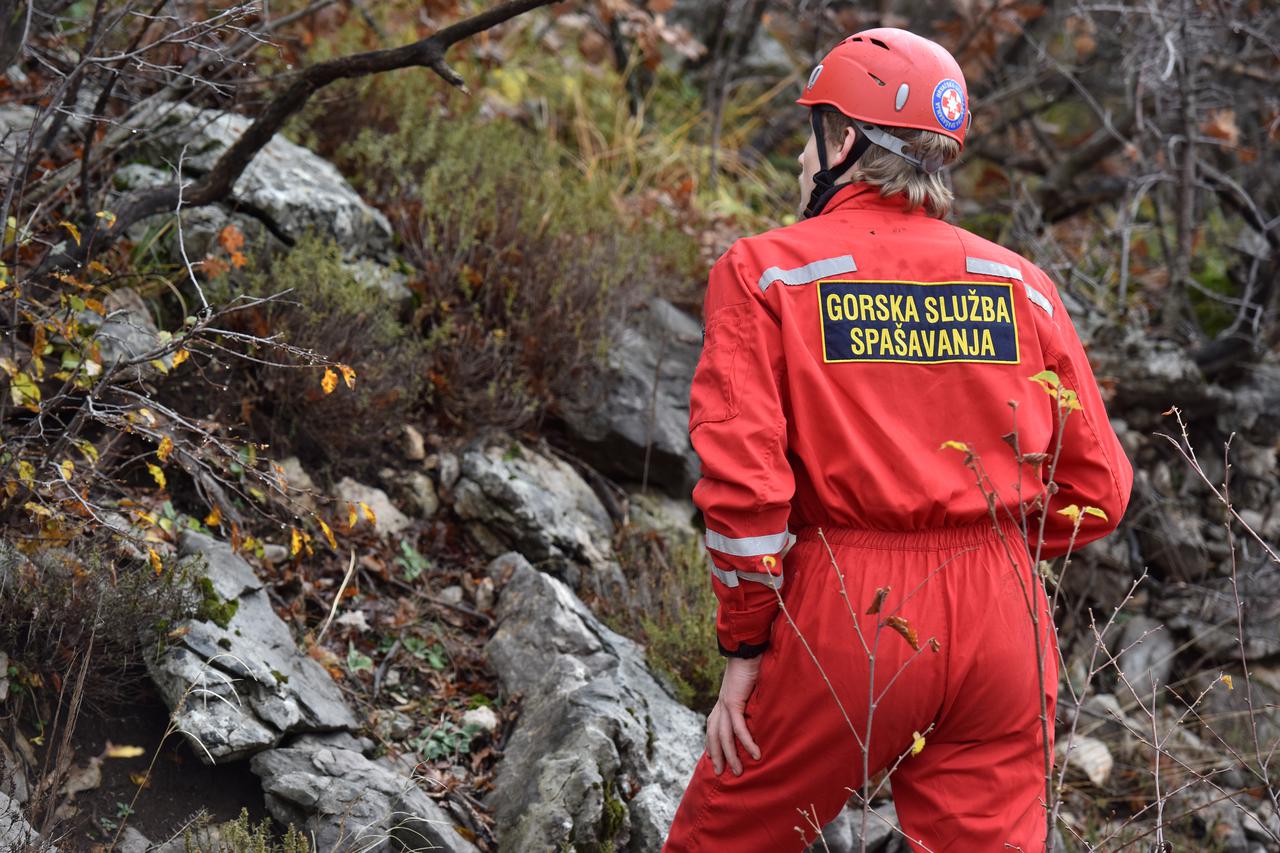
x=948, y=104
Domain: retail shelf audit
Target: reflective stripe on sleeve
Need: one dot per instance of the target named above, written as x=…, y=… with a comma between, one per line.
x=984, y=267
x=981, y=266
x=730, y=578
x=808, y=272
x=748, y=546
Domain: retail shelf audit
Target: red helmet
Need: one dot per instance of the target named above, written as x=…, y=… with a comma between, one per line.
x=893, y=78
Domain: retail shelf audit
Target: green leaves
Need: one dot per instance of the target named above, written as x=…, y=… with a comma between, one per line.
x=1052, y=385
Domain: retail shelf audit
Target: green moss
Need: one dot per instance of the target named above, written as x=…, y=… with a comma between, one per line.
x=213, y=607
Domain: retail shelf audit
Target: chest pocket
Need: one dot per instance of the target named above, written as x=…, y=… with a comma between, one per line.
x=715, y=395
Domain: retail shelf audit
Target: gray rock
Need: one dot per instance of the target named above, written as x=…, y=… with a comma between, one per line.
x=844, y=834
x=298, y=482
x=389, y=520
x=1151, y=655
x=240, y=689
x=133, y=841
x=349, y=803
x=518, y=498
x=623, y=419
x=296, y=189
x=423, y=493
x=388, y=281
x=413, y=445
x=127, y=332
x=1206, y=611
x=483, y=718
x=16, y=834
x=595, y=726
x=450, y=469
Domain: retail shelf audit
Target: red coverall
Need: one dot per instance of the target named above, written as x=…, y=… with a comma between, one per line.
x=841, y=353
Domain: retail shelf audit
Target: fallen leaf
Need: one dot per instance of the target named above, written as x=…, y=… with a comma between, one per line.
x=114, y=751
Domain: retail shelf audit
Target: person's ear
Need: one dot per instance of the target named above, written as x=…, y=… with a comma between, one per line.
x=846, y=144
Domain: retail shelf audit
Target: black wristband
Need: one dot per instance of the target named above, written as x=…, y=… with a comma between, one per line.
x=745, y=650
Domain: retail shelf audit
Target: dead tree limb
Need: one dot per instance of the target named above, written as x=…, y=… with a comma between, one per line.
x=216, y=184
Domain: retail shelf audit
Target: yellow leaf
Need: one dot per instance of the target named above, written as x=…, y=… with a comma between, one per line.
x=24, y=391
x=87, y=449
x=295, y=542
x=156, y=565
x=1070, y=401
x=99, y=267
x=114, y=751
x=8, y=365
x=67, y=468
x=180, y=355
x=368, y=513
x=328, y=534
x=165, y=448
x=141, y=780
x=348, y=375
x=955, y=445
x=917, y=743
x=26, y=473
x=36, y=509
x=1226, y=679
x=329, y=381
x=1095, y=512
x=1072, y=512
x=156, y=474
x=352, y=518
x=214, y=518
x=75, y=232
x=1048, y=380
x=107, y=217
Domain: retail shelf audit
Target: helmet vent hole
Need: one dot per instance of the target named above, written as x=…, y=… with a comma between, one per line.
x=874, y=77
x=878, y=43
x=856, y=38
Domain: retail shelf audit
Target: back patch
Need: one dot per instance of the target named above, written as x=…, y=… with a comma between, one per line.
x=918, y=323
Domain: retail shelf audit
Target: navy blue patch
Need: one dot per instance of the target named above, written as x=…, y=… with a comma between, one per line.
x=918, y=323
x=948, y=104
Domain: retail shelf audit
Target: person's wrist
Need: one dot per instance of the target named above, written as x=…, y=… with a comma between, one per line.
x=745, y=651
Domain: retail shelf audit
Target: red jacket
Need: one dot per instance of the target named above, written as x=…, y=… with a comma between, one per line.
x=840, y=353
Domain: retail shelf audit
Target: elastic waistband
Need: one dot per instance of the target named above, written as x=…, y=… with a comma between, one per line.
x=934, y=539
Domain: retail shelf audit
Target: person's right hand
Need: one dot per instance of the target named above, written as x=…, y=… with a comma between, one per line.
x=726, y=720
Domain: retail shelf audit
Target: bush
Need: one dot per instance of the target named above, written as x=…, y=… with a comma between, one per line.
x=328, y=310
x=64, y=609
x=672, y=613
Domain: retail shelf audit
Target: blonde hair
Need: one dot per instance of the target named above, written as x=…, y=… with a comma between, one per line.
x=893, y=175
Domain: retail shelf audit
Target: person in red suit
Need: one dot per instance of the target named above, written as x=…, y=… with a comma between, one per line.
x=845, y=357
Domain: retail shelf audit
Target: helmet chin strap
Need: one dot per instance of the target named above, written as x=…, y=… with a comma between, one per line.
x=824, y=182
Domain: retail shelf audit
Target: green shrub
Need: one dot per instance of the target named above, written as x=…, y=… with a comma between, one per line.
x=63, y=607
x=524, y=267
x=672, y=613
x=328, y=310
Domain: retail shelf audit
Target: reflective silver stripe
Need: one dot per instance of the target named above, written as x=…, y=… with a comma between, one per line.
x=1038, y=298
x=730, y=578
x=808, y=272
x=749, y=546
x=985, y=267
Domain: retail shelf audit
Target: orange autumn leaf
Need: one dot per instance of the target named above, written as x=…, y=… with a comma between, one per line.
x=348, y=375
x=329, y=381
x=328, y=533
x=231, y=238
x=903, y=627
x=165, y=448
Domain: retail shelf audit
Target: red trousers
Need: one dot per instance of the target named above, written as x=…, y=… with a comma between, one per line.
x=978, y=783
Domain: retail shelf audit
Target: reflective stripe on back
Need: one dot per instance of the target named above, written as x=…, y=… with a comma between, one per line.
x=809, y=272
x=982, y=266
